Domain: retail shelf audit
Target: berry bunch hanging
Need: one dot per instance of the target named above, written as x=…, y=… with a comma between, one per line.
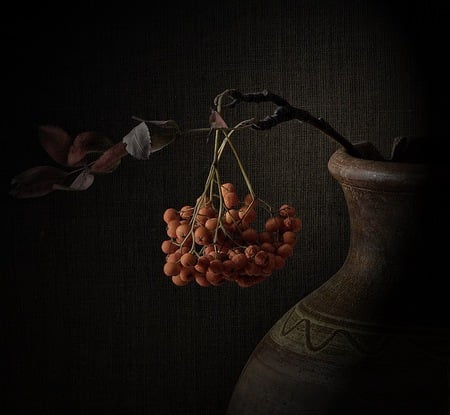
x=215, y=239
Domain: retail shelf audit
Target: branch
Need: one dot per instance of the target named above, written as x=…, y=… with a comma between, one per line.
x=286, y=112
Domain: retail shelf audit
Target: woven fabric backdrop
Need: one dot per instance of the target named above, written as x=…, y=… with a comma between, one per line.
x=92, y=324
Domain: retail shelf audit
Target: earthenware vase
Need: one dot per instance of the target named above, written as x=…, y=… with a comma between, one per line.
x=374, y=338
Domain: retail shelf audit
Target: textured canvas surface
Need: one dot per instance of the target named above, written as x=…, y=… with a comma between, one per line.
x=93, y=325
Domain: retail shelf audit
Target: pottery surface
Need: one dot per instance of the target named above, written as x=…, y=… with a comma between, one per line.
x=372, y=339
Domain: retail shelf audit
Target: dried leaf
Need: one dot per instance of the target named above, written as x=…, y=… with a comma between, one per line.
x=82, y=182
x=162, y=133
x=56, y=142
x=159, y=142
x=110, y=159
x=216, y=120
x=149, y=137
x=168, y=124
x=138, y=142
x=86, y=143
x=37, y=181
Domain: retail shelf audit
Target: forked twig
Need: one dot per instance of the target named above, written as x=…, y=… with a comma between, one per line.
x=286, y=112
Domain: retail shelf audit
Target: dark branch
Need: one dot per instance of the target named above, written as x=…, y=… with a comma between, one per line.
x=286, y=112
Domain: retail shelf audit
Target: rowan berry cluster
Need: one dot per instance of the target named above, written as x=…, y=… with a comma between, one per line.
x=216, y=240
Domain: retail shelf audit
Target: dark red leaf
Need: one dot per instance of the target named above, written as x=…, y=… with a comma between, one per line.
x=216, y=121
x=56, y=142
x=37, y=181
x=110, y=159
x=87, y=143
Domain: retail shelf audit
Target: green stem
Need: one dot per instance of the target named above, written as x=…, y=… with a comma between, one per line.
x=241, y=167
x=221, y=204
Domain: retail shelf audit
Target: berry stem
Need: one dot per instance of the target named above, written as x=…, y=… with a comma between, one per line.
x=241, y=168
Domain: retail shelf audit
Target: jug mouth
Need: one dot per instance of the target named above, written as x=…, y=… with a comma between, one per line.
x=370, y=171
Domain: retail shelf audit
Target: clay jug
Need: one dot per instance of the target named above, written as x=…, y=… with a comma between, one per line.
x=374, y=338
